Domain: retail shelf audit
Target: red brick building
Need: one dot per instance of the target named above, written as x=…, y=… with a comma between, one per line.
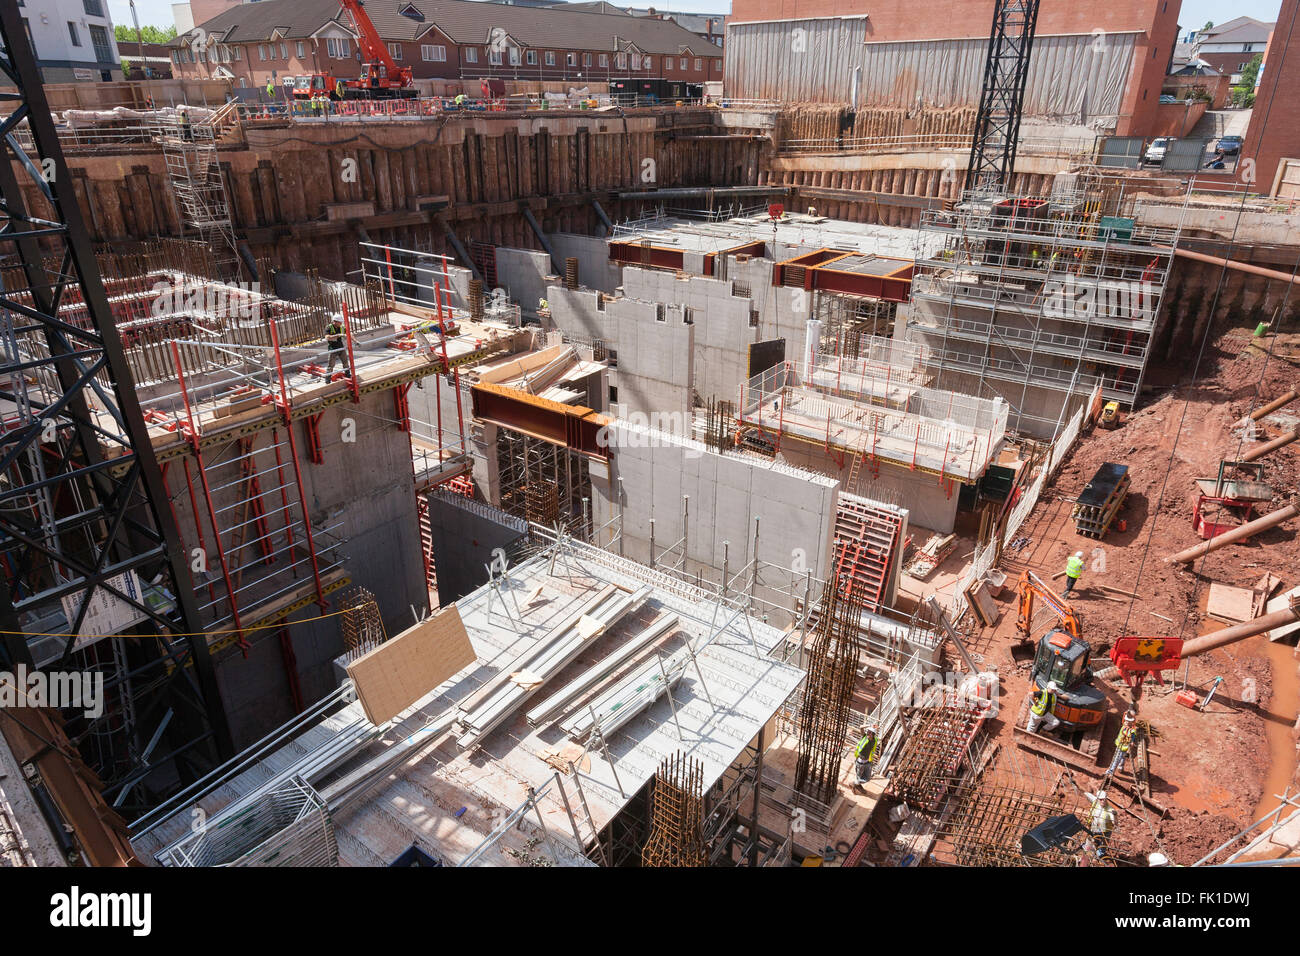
x=451, y=40
x=1229, y=47
x=1274, y=132
x=1135, y=38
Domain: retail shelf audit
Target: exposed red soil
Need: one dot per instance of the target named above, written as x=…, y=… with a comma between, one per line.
x=1210, y=766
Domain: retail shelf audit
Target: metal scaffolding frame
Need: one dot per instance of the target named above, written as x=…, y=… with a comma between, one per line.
x=1059, y=293
x=194, y=169
x=82, y=527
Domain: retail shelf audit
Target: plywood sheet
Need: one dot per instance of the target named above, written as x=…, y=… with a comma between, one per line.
x=1230, y=604
x=396, y=674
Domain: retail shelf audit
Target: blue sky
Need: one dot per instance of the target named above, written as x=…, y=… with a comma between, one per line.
x=1195, y=12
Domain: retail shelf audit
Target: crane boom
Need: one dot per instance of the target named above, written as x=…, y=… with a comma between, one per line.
x=373, y=48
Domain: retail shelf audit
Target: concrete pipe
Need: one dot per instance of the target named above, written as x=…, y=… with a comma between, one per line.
x=1239, y=632
x=1274, y=405
x=1259, y=451
x=1270, y=520
x=1239, y=266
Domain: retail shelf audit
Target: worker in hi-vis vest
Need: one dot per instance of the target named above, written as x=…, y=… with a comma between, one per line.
x=1073, y=571
x=866, y=753
x=1042, y=710
x=1124, y=742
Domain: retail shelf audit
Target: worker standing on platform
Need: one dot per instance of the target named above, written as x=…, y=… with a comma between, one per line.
x=1042, y=709
x=1073, y=571
x=866, y=753
x=334, y=340
x=187, y=132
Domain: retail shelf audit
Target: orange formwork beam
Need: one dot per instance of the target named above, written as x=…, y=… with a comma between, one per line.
x=570, y=426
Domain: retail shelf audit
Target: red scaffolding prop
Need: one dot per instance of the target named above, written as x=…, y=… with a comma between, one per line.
x=286, y=410
x=193, y=437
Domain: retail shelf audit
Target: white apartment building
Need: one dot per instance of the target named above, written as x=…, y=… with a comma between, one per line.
x=73, y=39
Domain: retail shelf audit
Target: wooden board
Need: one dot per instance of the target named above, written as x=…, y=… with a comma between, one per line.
x=396, y=674
x=1277, y=604
x=982, y=603
x=1227, y=603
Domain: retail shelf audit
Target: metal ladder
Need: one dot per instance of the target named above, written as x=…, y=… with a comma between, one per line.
x=194, y=170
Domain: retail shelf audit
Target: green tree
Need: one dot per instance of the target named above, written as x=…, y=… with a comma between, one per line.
x=1209, y=25
x=1251, y=73
x=126, y=34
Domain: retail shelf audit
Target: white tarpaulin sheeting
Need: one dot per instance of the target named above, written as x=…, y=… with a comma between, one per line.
x=1076, y=78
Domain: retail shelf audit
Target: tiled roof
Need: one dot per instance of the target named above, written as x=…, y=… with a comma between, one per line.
x=463, y=21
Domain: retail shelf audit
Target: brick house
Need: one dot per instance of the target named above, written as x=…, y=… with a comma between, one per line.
x=1229, y=46
x=451, y=40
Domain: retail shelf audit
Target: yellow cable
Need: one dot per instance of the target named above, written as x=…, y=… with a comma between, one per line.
x=231, y=630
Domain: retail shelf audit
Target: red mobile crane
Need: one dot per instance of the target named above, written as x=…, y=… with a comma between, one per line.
x=381, y=77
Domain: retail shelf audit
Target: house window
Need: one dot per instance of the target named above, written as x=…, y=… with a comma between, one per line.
x=243, y=82
x=338, y=47
x=514, y=56
x=284, y=52
x=550, y=58
x=586, y=59
x=699, y=64
x=176, y=58
x=261, y=51
x=717, y=64
x=471, y=54
x=649, y=63
x=604, y=60
x=72, y=32
x=302, y=51
x=395, y=51
x=93, y=8
x=103, y=49
x=682, y=63
x=636, y=61
x=570, y=59
x=432, y=53
x=494, y=57
x=620, y=61
x=531, y=56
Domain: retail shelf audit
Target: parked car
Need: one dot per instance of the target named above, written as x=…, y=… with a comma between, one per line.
x=1155, y=153
x=1230, y=145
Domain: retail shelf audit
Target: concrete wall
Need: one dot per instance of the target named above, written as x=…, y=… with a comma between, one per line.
x=650, y=472
x=367, y=485
x=595, y=271
x=931, y=505
x=654, y=347
x=524, y=274
x=463, y=542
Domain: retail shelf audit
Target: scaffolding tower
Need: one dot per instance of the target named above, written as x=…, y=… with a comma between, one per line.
x=194, y=170
x=92, y=578
x=1024, y=297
